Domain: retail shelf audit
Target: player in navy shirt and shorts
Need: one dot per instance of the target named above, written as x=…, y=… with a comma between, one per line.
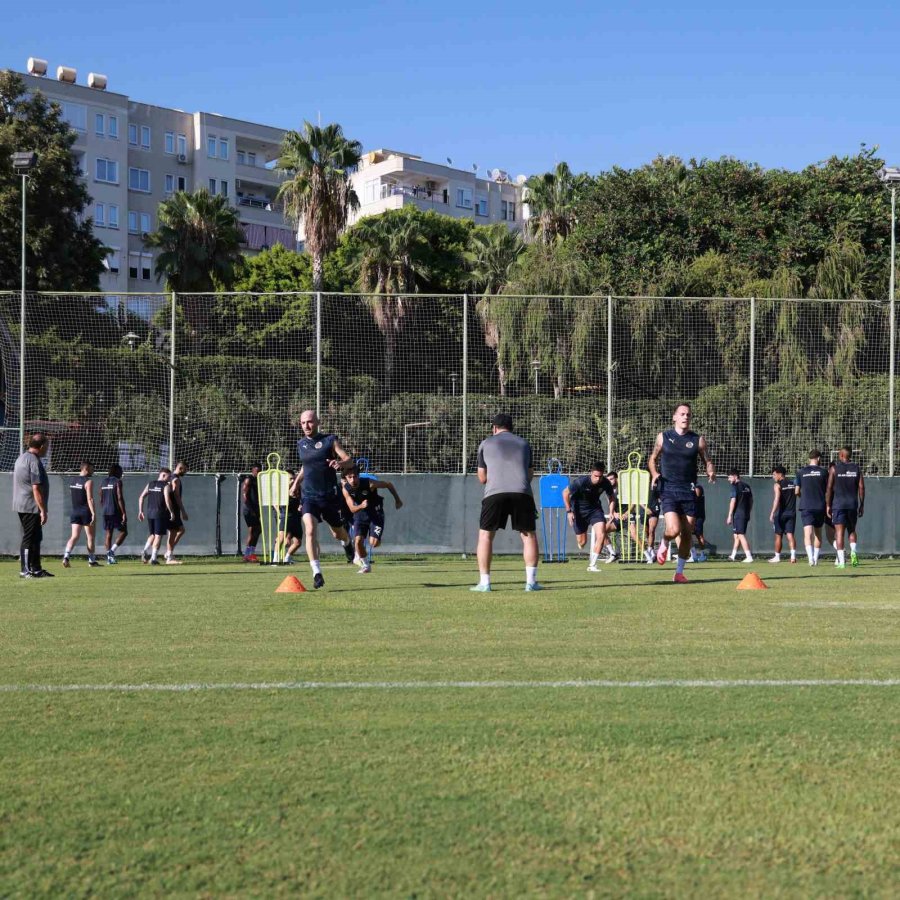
x=81, y=488
x=585, y=511
x=673, y=468
x=739, y=508
x=845, y=498
x=160, y=510
x=112, y=501
x=784, y=512
x=366, y=506
x=810, y=486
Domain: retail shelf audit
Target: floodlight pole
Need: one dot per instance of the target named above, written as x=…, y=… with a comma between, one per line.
x=893, y=337
x=752, y=406
x=22, y=326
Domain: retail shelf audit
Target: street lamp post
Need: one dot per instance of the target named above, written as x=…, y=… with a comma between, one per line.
x=23, y=162
x=890, y=175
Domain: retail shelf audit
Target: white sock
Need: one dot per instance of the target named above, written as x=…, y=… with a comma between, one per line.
x=67, y=553
x=316, y=566
x=840, y=556
x=809, y=551
x=816, y=552
x=593, y=558
x=168, y=554
x=485, y=579
x=834, y=544
x=853, y=546
x=287, y=557
x=148, y=545
x=154, y=552
x=793, y=554
x=113, y=548
x=777, y=556
x=530, y=574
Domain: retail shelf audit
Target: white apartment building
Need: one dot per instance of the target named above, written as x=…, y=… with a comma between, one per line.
x=134, y=155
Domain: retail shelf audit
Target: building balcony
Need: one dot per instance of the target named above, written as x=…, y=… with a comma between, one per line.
x=258, y=174
x=426, y=196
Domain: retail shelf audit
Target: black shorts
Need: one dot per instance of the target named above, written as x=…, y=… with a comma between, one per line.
x=785, y=523
x=677, y=499
x=113, y=522
x=496, y=509
x=698, y=526
x=294, y=524
x=329, y=509
x=739, y=524
x=159, y=525
x=81, y=517
x=251, y=518
x=814, y=517
x=584, y=520
x=846, y=517
x=369, y=522
x=175, y=523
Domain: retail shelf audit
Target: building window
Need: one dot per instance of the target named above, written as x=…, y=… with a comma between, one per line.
x=508, y=210
x=370, y=190
x=139, y=265
x=107, y=170
x=146, y=223
x=170, y=184
x=132, y=221
x=223, y=188
x=211, y=145
x=114, y=127
x=251, y=159
x=170, y=142
x=145, y=137
x=139, y=180
x=242, y=157
x=112, y=260
x=75, y=115
x=113, y=217
x=132, y=135
x=464, y=198
x=481, y=206
x=99, y=124
x=223, y=149
x=99, y=215
x=181, y=182
x=182, y=145
x=212, y=186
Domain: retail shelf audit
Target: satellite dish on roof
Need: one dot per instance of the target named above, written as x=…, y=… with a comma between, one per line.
x=521, y=179
x=494, y=174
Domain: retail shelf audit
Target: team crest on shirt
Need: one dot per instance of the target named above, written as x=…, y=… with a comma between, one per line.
x=318, y=445
x=689, y=445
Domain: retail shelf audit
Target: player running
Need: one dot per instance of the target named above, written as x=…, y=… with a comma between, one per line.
x=320, y=457
x=112, y=502
x=250, y=512
x=673, y=467
x=366, y=506
x=176, y=526
x=784, y=512
x=160, y=511
x=81, y=488
x=845, y=503
x=739, y=508
x=810, y=486
x=585, y=511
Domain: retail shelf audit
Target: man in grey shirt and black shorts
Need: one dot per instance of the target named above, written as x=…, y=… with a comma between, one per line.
x=31, y=489
x=505, y=469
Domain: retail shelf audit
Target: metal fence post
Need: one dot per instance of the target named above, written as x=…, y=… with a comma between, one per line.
x=465, y=384
x=22, y=330
x=172, y=385
x=752, y=411
x=892, y=341
x=318, y=353
x=609, y=382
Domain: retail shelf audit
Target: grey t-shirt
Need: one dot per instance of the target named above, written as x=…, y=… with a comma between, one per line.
x=29, y=470
x=507, y=458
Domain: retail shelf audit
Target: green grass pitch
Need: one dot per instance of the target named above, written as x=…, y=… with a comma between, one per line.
x=402, y=789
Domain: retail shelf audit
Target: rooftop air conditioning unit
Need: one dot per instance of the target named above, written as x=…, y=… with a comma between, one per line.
x=66, y=74
x=97, y=81
x=182, y=158
x=37, y=66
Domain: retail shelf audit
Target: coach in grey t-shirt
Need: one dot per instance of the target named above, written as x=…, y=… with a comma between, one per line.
x=505, y=470
x=31, y=489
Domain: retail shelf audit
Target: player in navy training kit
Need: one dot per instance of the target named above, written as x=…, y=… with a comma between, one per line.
x=784, y=512
x=810, y=486
x=176, y=526
x=673, y=467
x=112, y=501
x=846, y=500
x=699, y=522
x=366, y=506
x=81, y=488
x=585, y=511
x=250, y=512
x=739, y=508
x=321, y=455
x=160, y=510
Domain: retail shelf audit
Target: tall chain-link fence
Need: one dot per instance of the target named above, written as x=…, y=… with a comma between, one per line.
x=411, y=382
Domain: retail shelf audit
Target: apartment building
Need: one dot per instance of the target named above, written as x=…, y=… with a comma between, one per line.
x=134, y=155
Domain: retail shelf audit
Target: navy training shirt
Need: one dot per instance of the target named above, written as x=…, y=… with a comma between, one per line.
x=252, y=502
x=741, y=492
x=585, y=496
x=79, y=493
x=812, y=481
x=787, y=498
x=319, y=479
x=156, y=500
x=365, y=491
x=847, y=476
x=678, y=463
x=109, y=496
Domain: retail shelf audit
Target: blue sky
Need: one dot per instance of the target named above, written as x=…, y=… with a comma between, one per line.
x=515, y=85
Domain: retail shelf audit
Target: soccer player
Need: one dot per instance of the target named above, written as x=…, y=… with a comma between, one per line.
x=293, y=528
x=160, y=511
x=673, y=467
x=250, y=512
x=845, y=503
x=366, y=506
x=112, y=501
x=739, y=509
x=176, y=526
x=784, y=512
x=585, y=511
x=613, y=523
x=505, y=469
x=699, y=521
x=810, y=486
x=320, y=457
x=82, y=517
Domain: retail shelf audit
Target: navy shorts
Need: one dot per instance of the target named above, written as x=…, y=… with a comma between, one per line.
x=327, y=508
x=698, y=527
x=251, y=519
x=785, y=523
x=679, y=500
x=814, y=517
x=369, y=522
x=159, y=525
x=80, y=517
x=583, y=522
x=175, y=523
x=739, y=524
x=846, y=517
x=113, y=522
x=294, y=524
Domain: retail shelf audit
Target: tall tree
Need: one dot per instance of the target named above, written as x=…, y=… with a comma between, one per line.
x=551, y=200
x=62, y=252
x=318, y=192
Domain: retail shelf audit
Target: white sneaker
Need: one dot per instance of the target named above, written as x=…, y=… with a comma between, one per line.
x=748, y=559
x=364, y=570
x=775, y=559
x=733, y=558
x=594, y=568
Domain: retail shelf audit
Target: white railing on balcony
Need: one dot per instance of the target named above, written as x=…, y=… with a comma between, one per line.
x=436, y=195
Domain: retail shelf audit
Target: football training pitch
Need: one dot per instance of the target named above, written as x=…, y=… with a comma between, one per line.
x=190, y=731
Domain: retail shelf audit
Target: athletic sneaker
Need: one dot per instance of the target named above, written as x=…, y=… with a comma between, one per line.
x=613, y=557
x=145, y=557
x=534, y=587
x=42, y=573
x=357, y=560
x=662, y=553
x=318, y=580
x=93, y=563
x=111, y=559
x=793, y=560
x=678, y=578
x=349, y=552
x=702, y=557
x=66, y=562
x=594, y=568
x=854, y=560
x=748, y=559
x=26, y=574
x=154, y=562
x=481, y=589
x=251, y=558
x=171, y=561
x=775, y=559
x=364, y=570
x=839, y=565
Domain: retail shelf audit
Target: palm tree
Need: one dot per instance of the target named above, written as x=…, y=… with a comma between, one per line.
x=551, y=199
x=318, y=192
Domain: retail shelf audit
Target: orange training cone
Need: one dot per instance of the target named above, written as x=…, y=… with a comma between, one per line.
x=752, y=582
x=291, y=585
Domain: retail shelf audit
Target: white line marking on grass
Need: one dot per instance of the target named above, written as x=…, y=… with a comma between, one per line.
x=198, y=686
x=838, y=604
